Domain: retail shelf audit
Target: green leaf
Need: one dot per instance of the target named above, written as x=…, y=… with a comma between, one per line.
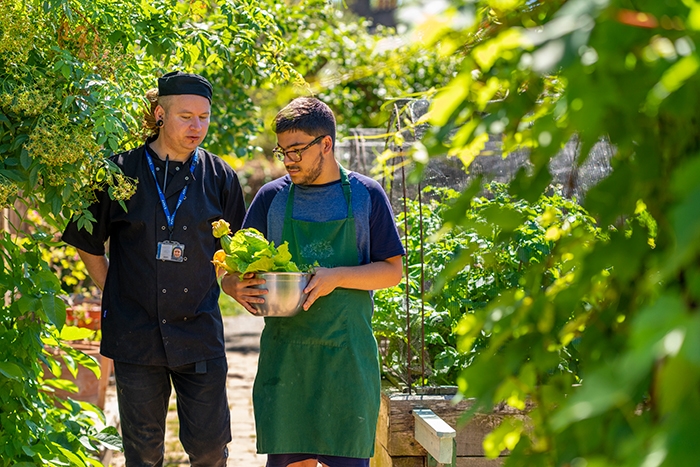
x=11, y=370
x=66, y=71
x=76, y=333
x=506, y=436
x=27, y=304
x=449, y=99
x=686, y=225
x=55, y=310
x=14, y=175
x=505, y=217
x=62, y=384
x=24, y=159
x=672, y=79
x=56, y=205
x=262, y=264
x=88, y=362
x=19, y=140
x=84, y=222
x=73, y=458
x=110, y=439
x=34, y=176
x=455, y=214
x=283, y=256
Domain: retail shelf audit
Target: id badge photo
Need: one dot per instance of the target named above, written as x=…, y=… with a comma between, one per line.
x=170, y=251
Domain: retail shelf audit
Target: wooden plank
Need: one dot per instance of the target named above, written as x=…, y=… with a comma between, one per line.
x=105, y=372
x=479, y=462
x=408, y=462
x=382, y=436
x=434, y=435
x=382, y=458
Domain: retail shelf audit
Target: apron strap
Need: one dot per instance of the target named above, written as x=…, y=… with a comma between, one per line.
x=345, y=182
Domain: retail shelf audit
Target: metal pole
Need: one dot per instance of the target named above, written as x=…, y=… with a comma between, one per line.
x=408, y=282
x=422, y=289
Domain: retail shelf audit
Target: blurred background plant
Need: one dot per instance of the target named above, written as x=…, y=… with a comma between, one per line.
x=464, y=270
x=538, y=73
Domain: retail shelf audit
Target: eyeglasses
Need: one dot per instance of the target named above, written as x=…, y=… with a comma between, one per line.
x=294, y=154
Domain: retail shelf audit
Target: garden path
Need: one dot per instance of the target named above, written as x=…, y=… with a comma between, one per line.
x=242, y=335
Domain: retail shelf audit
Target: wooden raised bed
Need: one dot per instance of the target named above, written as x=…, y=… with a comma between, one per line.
x=395, y=445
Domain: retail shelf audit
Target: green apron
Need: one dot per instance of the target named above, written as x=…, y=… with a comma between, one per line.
x=317, y=386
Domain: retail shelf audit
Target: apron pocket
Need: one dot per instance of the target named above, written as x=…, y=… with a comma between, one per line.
x=322, y=325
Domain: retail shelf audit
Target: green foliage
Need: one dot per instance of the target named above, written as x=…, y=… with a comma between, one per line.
x=465, y=269
x=35, y=427
x=358, y=73
x=539, y=72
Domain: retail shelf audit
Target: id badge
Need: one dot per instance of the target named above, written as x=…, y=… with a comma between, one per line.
x=170, y=251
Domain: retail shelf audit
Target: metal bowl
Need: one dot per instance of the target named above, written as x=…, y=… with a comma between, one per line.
x=285, y=294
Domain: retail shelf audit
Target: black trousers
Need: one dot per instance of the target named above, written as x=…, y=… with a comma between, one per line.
x=202, y=407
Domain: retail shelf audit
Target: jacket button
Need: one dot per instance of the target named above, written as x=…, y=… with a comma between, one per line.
x=164, y=321
x=184, y=227
x=178, y=168
x=186, y=290
x=162, y=227
x=187, y=178
x=185, y=318
x=163, y=290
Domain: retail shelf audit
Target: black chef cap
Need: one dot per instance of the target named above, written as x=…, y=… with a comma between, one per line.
x=177, y=83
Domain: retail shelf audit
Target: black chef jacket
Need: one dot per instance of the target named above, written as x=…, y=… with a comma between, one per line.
x=157, y=312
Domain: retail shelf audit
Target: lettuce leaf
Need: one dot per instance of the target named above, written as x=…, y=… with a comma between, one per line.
x=249, y=251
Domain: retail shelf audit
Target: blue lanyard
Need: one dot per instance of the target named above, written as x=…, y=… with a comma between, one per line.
x=171, y=217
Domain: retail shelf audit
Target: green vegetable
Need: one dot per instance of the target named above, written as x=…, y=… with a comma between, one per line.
x=249, y=251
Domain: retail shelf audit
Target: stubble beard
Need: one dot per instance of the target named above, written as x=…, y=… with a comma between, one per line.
x=313, y=173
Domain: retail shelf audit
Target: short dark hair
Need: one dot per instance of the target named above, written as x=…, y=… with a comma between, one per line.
x=306, y=114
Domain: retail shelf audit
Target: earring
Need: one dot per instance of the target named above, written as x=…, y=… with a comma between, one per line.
x=159, y=123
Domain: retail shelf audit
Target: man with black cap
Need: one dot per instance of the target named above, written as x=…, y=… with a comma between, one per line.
x=161, y=322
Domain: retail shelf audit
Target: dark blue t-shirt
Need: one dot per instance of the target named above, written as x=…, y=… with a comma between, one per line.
x=377, y=236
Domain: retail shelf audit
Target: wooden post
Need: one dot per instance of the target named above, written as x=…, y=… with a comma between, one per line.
x=435, y=435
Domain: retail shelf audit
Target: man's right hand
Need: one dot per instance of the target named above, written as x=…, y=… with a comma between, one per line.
x=242, y=290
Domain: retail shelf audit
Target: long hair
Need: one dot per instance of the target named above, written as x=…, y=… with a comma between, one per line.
x=149, y=119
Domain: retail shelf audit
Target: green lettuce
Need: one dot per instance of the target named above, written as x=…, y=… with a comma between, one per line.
x=249, y=251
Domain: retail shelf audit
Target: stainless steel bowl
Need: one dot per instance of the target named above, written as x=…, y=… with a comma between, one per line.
x=285, y=294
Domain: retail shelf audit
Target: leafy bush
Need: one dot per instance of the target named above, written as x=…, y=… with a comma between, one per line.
x=36, y=428
x=465, y=269
x=537, y=73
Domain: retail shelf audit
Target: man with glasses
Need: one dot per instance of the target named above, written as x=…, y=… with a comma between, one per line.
x=316, y=393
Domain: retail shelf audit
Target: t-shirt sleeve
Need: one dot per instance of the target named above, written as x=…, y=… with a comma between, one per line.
x=385, y=241
x=256, y=217
x=91, y=242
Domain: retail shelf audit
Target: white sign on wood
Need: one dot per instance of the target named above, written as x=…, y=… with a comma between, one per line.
x=435, y=435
